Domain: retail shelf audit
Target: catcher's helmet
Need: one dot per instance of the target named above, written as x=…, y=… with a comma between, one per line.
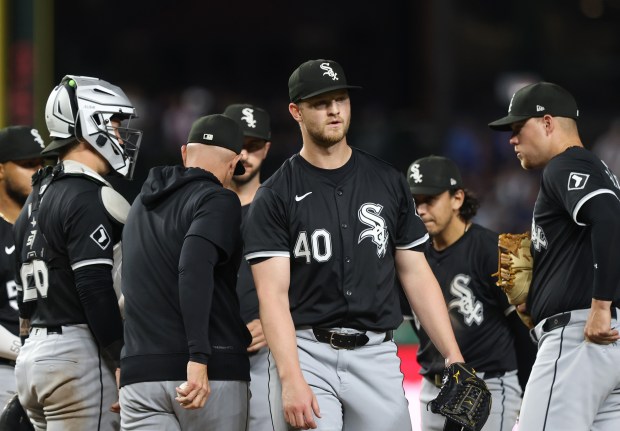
x=13, y=417
x=81, y=107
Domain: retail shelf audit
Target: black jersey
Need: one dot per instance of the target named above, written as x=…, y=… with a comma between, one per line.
x=561, y=246
x=477, y=307
x=8, y=290
x=340, y=229
x=162, y=328
x=245, y=283
x=63, y=226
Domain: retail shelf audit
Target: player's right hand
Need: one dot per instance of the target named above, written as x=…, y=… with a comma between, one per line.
x=299, y=404
x=193, y=394
x=258, y=338
x=598, y=328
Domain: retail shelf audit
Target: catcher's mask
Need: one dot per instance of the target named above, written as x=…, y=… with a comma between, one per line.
x=84, y=108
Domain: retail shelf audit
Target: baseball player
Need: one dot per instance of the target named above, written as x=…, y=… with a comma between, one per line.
x=254, y=122
x=64, y=240
x=574, y=293
x=327, y=235
x=20, y=157
x=463, y=255
x=185, y=364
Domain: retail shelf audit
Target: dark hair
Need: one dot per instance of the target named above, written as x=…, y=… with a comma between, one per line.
x=470, y=205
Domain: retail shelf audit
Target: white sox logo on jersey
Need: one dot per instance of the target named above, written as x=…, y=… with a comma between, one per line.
x=577, y=181
x=248, y=117
x=101, y=237
x=539, y=240
x=329, y=71
x=369, y=215
x=465, y=301
x=414, y=173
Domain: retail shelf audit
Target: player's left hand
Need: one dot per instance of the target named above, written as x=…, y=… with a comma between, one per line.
x=598, y=328
x=258, y=338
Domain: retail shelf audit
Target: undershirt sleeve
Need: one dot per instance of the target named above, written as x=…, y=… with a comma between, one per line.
x=601, y=213
x=196, y=284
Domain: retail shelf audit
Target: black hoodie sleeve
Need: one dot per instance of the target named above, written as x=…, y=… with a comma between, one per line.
x=198, y=259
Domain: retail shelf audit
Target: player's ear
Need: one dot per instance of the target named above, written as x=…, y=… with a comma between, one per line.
x=184, y=154
x=293, y=108
x=1, y=171
x=457, y=199
x=548, y=123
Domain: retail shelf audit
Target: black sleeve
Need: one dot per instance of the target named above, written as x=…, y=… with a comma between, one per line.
x=94, y=287
x=196, y=264
x=601, y=213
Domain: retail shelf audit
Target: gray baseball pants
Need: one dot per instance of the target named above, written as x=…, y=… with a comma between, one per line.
x=152, y=406
x=357, y=390
x=64, y=384
x=259, y=415
x=575, y=384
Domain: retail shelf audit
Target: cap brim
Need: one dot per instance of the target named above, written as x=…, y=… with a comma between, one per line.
x=428, y=191
x=327, y=90
x=504, y=124
x=239, y=169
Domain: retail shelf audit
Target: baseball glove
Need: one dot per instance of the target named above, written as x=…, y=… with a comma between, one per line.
x=514, y=273
x=463, y=399
x=13, y=416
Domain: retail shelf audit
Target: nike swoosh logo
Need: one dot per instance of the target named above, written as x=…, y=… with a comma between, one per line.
x=9, y=250
x=298, y=198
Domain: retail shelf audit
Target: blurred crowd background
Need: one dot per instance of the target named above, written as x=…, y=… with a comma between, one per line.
x=433, y=73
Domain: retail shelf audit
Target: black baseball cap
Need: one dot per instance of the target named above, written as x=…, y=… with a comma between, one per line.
x=20, y=143
x=433, y=175
x=218, y=130
x=315, y=77
x=538, y=100
x=254, y=121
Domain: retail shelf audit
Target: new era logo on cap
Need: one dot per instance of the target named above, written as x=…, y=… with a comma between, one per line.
x=207, y=137
x=316, y=77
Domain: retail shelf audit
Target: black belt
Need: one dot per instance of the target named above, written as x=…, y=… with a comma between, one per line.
x=562, y=319
x=50, y=329
x=345, y=341
x=5, y=361
x=437, y=378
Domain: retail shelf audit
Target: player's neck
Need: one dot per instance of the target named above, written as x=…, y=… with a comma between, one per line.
x=333, y=157
x=87, y=156
x=451, y=234
x=247, y=191
x=9, y=209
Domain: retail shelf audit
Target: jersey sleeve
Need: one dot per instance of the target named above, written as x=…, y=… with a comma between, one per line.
x=266, y=231
x=214, y=215
x=573, y=181
x=411, y=233
x=89, y=232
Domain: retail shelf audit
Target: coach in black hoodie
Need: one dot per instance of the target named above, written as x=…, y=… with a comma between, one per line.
x=181, y=252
